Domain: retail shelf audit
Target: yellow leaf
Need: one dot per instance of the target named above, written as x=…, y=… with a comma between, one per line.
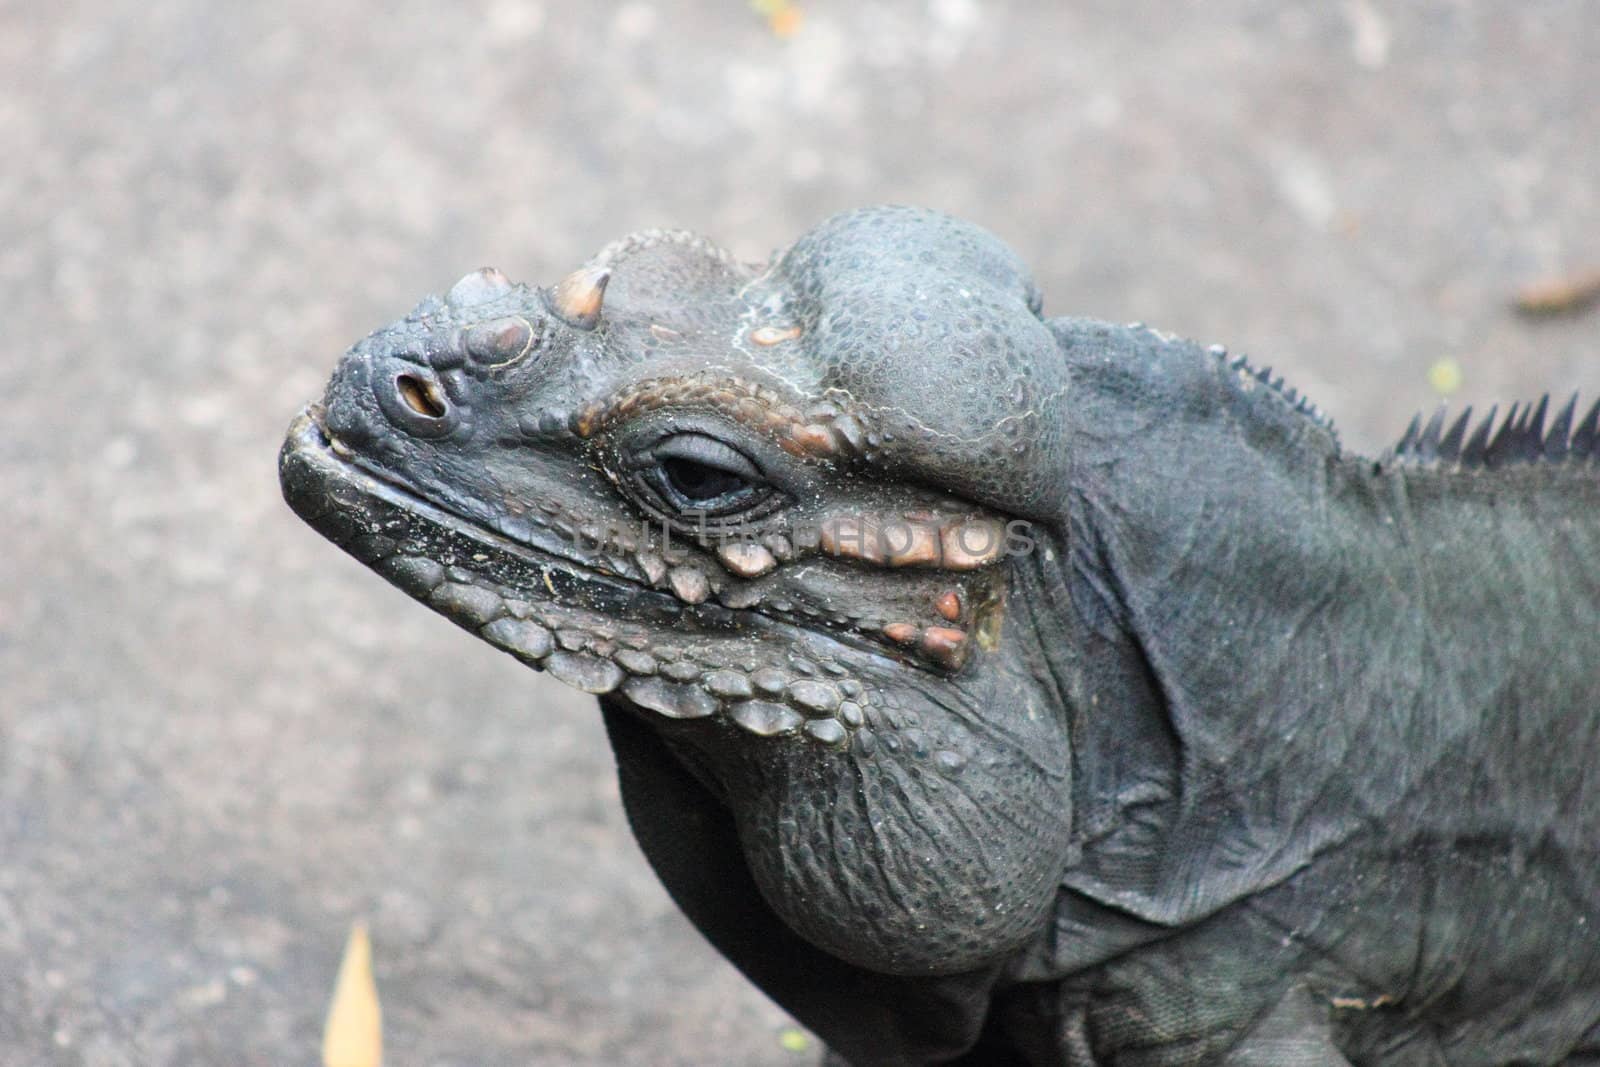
x=353, y=1036
x=1445, y=376
x=1560, y=295
x=793, y=1039
x=785, y=22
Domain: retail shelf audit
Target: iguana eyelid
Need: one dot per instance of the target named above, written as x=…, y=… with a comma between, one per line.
x=708, y=452
x=639, y=443
x=658, y=488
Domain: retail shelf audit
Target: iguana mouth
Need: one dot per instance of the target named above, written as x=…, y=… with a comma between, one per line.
x=367, y=508
x=596, y=632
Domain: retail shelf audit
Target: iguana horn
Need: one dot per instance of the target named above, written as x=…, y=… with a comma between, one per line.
x=577, y=299
x=479, y=287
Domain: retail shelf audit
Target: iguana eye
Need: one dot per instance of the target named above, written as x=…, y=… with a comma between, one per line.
x=699, y=483
x=691, y=473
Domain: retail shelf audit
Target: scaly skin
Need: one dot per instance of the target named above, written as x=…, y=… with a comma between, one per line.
x=1027, y=690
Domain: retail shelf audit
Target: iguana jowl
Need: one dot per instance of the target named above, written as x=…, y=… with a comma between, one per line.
x=1000, y=689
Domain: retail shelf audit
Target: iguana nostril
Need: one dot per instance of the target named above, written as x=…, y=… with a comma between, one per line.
x=423, y=397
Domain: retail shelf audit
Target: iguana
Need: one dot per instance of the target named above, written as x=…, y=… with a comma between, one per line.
x=993, y=688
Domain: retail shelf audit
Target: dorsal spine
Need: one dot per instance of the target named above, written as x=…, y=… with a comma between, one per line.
x=1520, y=438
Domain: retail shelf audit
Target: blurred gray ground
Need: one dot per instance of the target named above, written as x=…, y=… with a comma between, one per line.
x=221, y=741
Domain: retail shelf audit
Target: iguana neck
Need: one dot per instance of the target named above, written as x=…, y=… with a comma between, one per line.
x=1251, y=616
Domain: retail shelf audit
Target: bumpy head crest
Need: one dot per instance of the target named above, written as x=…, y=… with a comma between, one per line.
x=933, y=324
x=916, y=336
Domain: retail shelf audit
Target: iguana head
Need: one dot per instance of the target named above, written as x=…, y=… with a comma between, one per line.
x=780, y=512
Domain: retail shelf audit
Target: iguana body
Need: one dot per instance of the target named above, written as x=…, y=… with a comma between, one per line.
x=1027, y=690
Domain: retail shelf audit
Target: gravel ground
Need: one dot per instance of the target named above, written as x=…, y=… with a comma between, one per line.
x=221, y=741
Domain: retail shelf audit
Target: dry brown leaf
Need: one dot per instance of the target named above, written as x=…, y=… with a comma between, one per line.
x=353, y=1036
x=1560, y=296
